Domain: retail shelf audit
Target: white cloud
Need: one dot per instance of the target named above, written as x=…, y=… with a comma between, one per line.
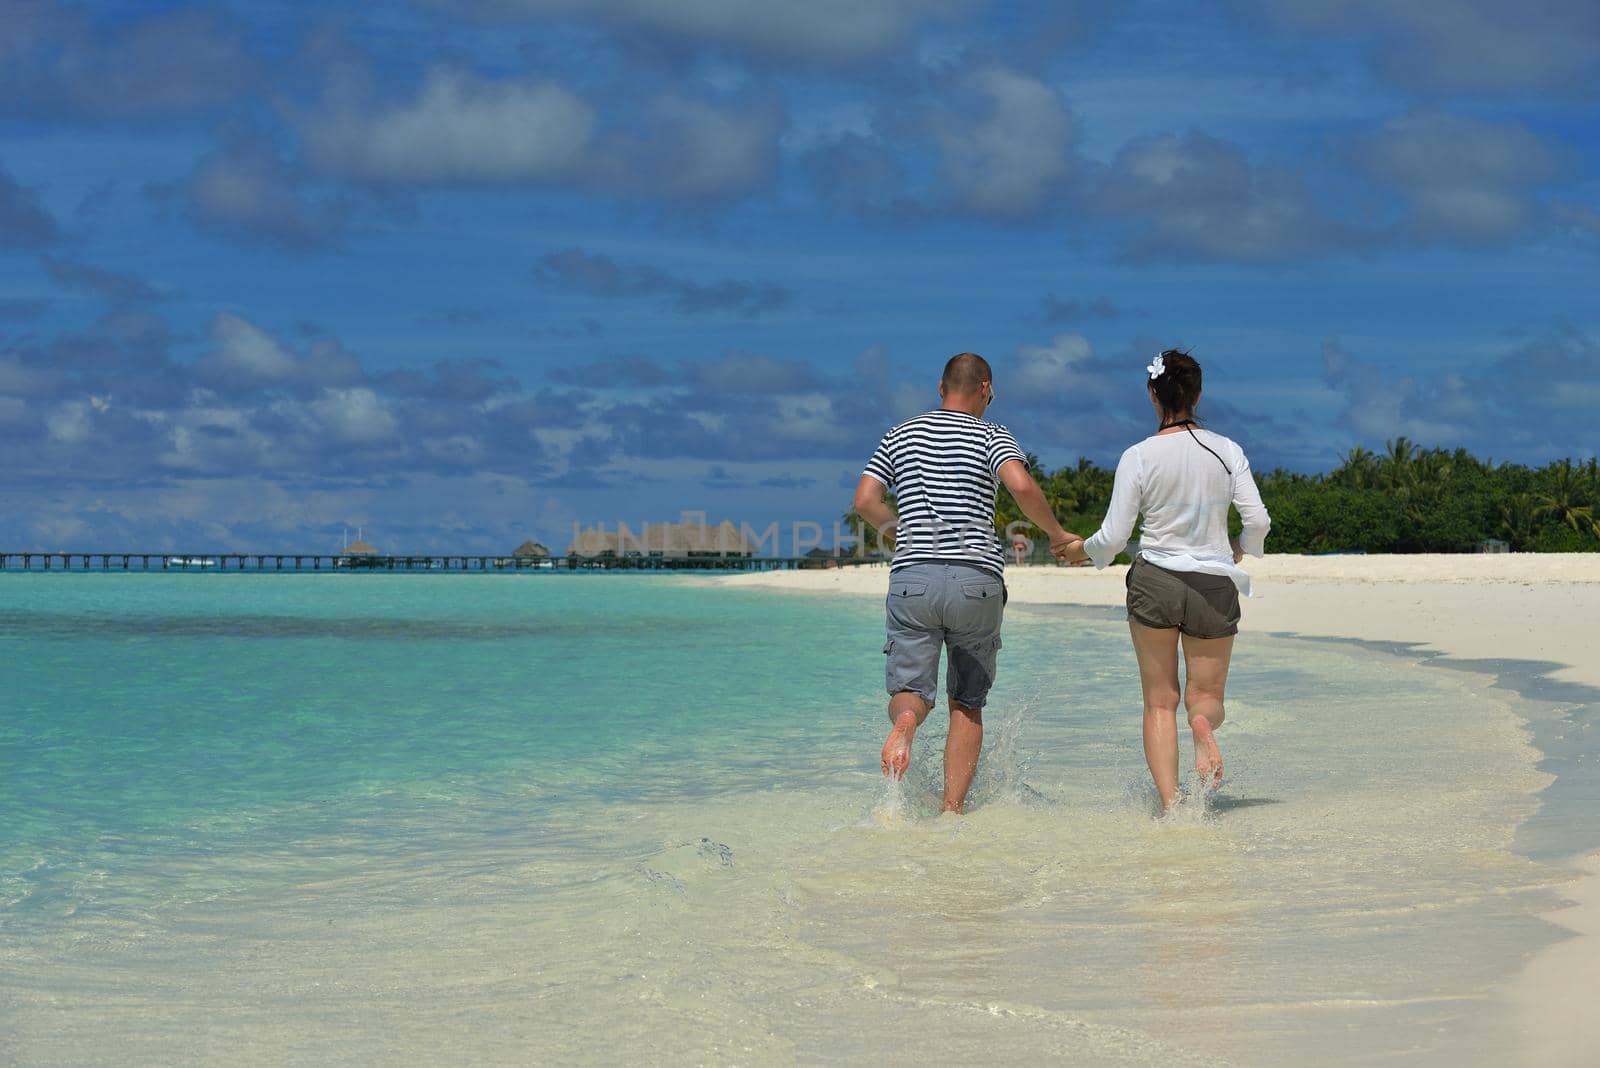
x=70, y=423
x=738, y=372
x=1462, y=178
x=696, y=150
x=1194, y=195
x=1463, y=45
x=455, y=449
x=354, y=416
x=826, y=31
x=1001, y=140
x=244, y=188
x=807, y=417
x=1005, y=150
x=60, y=530
x=207, y=434
x=54, y=61
x=244, y=349
x=1048, y=368
x=1534, y=400
x=458, y=129
x=907, y=400
x=1469, y=214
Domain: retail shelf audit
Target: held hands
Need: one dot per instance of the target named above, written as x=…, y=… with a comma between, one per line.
x=1068, y=548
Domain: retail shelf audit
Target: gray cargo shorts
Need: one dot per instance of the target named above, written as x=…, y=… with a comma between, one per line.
x=931, y=606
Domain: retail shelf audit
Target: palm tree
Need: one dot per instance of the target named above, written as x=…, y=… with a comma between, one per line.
x=1358, y=469
x=1396, y=467
x=1414, y=477
x=1519, y=519
x=1061, y=490
x=1431, y=470
x=1463, y=459
x=1565, y=499
x=1090, y=486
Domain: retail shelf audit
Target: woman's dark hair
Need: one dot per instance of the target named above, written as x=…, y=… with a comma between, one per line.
x=1178, y=387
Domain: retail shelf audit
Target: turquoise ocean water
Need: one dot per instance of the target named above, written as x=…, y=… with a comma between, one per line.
x=605, y=819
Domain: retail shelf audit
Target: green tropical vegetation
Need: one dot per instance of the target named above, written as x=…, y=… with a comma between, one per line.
x=1403, y=500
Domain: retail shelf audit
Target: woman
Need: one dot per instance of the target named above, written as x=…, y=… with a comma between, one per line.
x=1183, y=586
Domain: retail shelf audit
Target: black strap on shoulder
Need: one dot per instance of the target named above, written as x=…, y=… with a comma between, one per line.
x=1188, y=424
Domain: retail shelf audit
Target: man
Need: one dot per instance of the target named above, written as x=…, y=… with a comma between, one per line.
x=946, y=584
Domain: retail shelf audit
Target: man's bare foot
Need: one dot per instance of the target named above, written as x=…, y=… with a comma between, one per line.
x=1207, y=757
x=897, y=748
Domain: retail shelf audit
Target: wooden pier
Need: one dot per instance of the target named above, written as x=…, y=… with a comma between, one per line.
x=236, y=563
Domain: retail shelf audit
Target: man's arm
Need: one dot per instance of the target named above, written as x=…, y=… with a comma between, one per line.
x=870, y=505
x=1030, y=498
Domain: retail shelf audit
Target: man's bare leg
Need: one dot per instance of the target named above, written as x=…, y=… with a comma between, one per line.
x=1157, y=650
x=907, y=710
x=961, y=749
x=1205, y=662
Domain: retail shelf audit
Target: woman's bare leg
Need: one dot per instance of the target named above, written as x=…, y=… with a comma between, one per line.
x=1205, y=670
x=1157, y=650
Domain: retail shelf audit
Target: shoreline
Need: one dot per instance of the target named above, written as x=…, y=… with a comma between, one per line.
x=1524, y=619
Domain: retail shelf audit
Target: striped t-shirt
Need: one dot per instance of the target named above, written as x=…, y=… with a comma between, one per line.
x=944, y=468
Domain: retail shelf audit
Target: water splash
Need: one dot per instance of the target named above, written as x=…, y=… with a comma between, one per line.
x=1005, y=762
x=891, y=807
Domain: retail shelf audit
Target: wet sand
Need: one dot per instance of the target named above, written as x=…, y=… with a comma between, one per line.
x=1527, y=607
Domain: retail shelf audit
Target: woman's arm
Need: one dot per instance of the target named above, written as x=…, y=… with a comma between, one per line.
x=1253, y=514
x=1112, y=537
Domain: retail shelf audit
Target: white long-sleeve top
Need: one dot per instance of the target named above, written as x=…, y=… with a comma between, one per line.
x=1183, y=492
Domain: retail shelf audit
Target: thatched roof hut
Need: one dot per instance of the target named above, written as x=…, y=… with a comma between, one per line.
x=531, y=549
x=358, y=548
x=665, y=540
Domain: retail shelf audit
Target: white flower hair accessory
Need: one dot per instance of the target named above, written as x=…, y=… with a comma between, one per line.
x=1157, y=366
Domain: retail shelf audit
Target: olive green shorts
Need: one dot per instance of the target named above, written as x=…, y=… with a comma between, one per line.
x=1199, y=605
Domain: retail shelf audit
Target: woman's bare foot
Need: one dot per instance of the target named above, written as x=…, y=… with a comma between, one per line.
x=1207, y=757
x=897, y=748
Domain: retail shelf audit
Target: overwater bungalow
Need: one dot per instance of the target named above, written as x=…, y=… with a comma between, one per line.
x=529, y=554
x=358, y=554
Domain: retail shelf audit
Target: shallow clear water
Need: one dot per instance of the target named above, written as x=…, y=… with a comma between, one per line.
x=612, y=818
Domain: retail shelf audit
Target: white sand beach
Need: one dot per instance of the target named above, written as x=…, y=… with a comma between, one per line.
x=1502, y=606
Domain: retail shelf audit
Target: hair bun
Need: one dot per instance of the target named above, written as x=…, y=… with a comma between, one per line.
x=1175, y=380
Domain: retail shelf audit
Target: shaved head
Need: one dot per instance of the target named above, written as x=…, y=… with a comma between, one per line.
x=966, y=373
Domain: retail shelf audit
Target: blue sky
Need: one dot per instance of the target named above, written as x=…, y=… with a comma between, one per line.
x=462, y=272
